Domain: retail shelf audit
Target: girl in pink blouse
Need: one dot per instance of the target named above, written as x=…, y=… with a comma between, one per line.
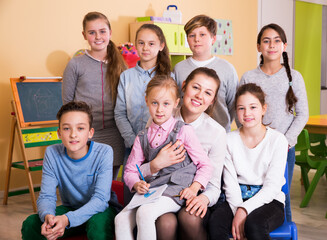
x=184, y=179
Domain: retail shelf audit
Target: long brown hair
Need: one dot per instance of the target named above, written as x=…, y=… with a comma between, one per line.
x=163, y=65
x=291, y=99
x=209, y=73
x=115, y=62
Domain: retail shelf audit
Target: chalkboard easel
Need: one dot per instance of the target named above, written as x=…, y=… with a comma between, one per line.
x=37, y=100
x=36, y=103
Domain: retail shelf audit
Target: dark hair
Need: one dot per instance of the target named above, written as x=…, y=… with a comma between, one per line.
x=163, y=81
x=291, y=99
x=75, y=106
x=201, y=21
x=115, y=62
x=209, y=73
x=253, y=89
x=163, y=64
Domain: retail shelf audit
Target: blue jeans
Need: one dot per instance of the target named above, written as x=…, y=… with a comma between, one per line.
x=290, y=163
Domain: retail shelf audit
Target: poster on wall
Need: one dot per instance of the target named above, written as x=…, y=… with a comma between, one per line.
x=224, y=40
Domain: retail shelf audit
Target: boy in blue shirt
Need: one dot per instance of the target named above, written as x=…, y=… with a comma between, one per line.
x=201, y=33
x=82, y=171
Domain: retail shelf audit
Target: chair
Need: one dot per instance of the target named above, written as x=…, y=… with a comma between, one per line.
x=318, y=144
x=288, y=230
x=307, y=162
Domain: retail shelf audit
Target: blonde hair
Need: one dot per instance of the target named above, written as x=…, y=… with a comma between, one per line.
x=163, y=81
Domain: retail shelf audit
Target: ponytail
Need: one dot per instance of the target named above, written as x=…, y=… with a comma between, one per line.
x=115, y=61
x=116, y=65
x=291, y=99
x=163, y=62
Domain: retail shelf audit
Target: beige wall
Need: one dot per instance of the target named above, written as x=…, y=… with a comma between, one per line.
x=39, y=37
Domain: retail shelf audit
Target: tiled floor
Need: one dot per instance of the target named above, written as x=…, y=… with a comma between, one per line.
x=311, y=221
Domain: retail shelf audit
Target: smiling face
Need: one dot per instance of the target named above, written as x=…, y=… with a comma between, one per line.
x=97, y=34
x=199, y=94
x=249, y=110
x=161, y=102
x=74, y=131
x=200, y=41
x=148, y=46
x=271, y=45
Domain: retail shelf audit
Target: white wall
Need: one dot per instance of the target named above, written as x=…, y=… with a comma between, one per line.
x=280, y=12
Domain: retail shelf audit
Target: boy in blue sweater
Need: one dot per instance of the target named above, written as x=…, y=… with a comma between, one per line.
x=82, y=171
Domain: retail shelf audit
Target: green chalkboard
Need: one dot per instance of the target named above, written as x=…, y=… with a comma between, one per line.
x=37, y=102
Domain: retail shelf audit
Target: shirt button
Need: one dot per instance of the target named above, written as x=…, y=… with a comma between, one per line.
x=158, y=135
x=156, y=144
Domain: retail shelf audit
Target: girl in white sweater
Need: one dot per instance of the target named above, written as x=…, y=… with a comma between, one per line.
x=285, y=91
x=253, y=173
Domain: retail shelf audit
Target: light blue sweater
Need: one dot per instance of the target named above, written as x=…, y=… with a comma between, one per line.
x=84, y=184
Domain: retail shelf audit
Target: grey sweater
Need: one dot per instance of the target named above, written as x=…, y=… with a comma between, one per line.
x=224, y=112
x=84, y=79
x=275, y=87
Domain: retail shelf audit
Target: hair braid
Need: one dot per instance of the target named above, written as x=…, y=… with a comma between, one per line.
x=291, y=99
x=261, y=59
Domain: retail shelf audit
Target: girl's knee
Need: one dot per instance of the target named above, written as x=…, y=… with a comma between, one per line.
x=255, y=229
x=143, y=214
x=119, y=220
x=188, y=220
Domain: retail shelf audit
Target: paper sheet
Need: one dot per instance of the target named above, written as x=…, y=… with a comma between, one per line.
x=139, y=199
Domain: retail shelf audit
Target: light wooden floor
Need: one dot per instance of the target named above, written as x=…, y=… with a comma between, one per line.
x=311, y=221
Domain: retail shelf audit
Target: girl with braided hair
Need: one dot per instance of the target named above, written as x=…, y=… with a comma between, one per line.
x=285, y=91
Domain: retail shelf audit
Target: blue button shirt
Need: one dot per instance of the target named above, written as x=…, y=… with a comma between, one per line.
x=131, y=112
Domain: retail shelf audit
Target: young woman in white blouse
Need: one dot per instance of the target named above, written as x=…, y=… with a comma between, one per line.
x=200, y=93
x=253, y=173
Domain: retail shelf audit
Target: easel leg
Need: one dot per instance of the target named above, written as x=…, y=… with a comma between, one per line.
x=29, y=177
x=10, y=154
x=31, y=188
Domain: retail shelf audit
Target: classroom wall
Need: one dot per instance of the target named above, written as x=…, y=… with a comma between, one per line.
x=307, y=50
x=39, y=38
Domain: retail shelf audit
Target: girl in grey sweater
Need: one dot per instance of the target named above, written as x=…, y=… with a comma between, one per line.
x=285, y=92
x=93, y=78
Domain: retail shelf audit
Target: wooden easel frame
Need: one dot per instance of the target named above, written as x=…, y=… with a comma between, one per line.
x=15, y=127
